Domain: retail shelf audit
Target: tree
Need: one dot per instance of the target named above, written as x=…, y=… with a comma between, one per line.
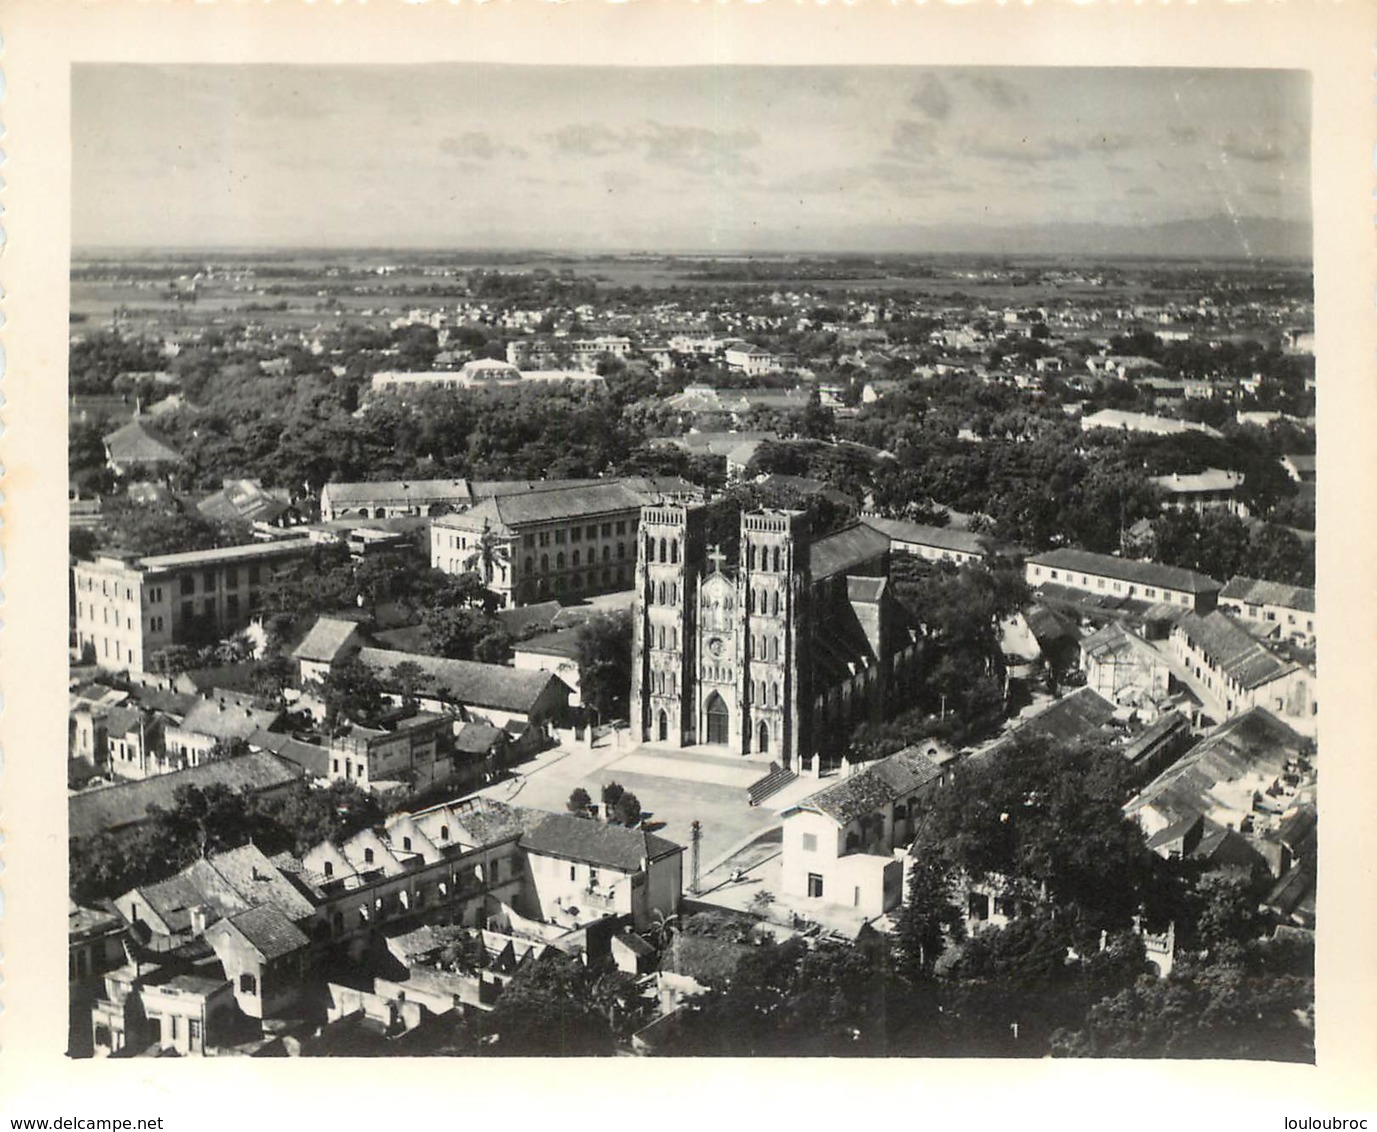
x=491, y=555
x=929, y=918
x=548, y=1010
x=409, y=677
x=611, y=795
x=604, y=656
x=580, y=802
x=628, y=808
x=352, y=693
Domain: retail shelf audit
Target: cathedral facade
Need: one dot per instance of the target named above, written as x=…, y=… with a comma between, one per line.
x=781, y=652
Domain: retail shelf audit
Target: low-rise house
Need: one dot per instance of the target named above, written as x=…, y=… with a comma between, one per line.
x=581, y=869
x=1242, y=776
x=492, y=693
x=414, y=749
x=189, y=1013
x=112, y=808
x=330, y=640
x=1266, y=607
x=1300, y=468
x=1214, y=489
x=1123, y=668
x=556, y=653
x=214, y=727
x=1126, y=421
x=839, y=843
x=135, y=448
x=263, y=954
x=246, y=501
x=95, y=942
x=1241, y=672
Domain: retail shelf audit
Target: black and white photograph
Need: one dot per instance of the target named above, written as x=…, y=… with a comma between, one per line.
x=594, y=558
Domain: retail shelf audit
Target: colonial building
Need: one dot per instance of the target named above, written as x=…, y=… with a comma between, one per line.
x=128, y=608
x=1104, y=575
x=1265, y=608
x=563, y=542
x=1214, y=489
x=782, y=652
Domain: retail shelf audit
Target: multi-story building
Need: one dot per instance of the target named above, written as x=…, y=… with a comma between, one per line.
x=563, y=542
x=388, y=499
x=783, y=652
x=1107, y=576
x=127, y=608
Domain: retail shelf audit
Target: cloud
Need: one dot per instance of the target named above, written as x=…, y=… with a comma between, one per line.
x=932, y=98
x=476, y=145
x=1053, y=147
x=912, y=140
x=691, y=149
x=585, y=140
x=998, y=92
x=1256, y=150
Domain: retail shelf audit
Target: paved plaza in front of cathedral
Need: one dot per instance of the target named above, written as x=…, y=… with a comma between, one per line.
x=674, y=786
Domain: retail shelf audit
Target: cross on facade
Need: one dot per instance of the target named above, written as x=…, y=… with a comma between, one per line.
x=717, y=558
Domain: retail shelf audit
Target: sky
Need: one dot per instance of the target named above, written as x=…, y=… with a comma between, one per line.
x=679, y=159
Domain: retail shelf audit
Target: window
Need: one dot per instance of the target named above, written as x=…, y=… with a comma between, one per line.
x=444, y=833
x=575, y=560
x=337, y=766
x=592, y=877
x=815, y=885
x=591, y=532
x=187, y=583
x=576, y=534
x=193, y=1032
x=208, y=579
x=573, y=872
x=368, y=856
x=231, y=579
x=621, y=527
x=406, y=844
x=559, y=560
x=559, y=538
x=810, y=842
x=329, y=868
x=607, y=530
x=528, y=540
x=248, y=984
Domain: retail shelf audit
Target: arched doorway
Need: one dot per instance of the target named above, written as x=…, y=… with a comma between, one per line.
x=764, y=737
x=719, y=721
x=664, y=726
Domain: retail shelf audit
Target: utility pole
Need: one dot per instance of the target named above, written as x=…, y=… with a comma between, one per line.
x=695, y=841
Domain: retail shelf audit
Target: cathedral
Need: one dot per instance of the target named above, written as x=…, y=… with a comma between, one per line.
x=782, y=652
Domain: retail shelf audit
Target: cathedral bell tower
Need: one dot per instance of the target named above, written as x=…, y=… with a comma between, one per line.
x=773, y=590
x=669, y=561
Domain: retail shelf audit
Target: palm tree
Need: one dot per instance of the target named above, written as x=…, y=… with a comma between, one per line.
x=490, y=554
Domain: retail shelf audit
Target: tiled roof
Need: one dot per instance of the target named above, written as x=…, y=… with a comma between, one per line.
x=490, y=489
x=111, y=807
x=416, y=492
x=846, y=549
x=1252, y=591
x=222, y=721
x=136, y=443
x=313, y=759
x=1233, y=650
x=1080, y=715
x=477, y=738
x=242, y=500
x=939, y=538
x=468, y=681
x=867, y=590
x=562, y=643
x=1143, y=573
x=878, y=785
x=596, y=842
x=1253, y=742
x=328, y=638
x=269, y=932
x=509, y=513
x=519, y=618
x=258, y=881
x=1211, y=479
